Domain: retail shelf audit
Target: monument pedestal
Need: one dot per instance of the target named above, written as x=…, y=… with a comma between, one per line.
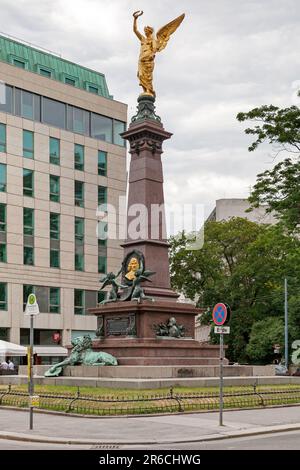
x=128, y=331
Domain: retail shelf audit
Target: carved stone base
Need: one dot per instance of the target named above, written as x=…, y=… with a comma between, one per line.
x=129, y=332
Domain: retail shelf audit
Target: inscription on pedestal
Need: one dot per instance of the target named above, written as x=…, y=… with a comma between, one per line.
x=120, y=326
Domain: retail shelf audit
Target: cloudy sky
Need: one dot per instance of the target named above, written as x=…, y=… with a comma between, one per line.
x=227, y=56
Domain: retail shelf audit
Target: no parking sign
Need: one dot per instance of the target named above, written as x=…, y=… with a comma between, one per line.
x=219, y=314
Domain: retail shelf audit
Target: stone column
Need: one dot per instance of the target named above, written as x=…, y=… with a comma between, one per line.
x=146, y=135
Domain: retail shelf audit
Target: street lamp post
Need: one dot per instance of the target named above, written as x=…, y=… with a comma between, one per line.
x=286, y=326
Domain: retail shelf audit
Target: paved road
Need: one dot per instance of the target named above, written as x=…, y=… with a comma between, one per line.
x=17, y=445
x=289, y=440
x=145, y=430
x=285, y=441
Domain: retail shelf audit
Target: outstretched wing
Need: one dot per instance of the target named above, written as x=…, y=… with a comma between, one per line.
x=105, y=283
x=164, y=33
x=148, y=273
x=144, y=278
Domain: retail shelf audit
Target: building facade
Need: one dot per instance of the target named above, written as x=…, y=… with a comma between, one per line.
x=61, y=155
x=225, y=209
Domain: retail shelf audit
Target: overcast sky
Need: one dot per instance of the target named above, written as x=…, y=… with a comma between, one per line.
x=227, y=56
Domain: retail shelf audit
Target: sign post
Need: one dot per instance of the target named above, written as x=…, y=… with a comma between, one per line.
x=219, y=317
x=31, y=309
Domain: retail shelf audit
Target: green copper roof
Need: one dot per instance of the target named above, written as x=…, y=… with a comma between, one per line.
x=47, y=64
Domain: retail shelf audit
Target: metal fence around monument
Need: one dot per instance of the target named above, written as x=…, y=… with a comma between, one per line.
x=172, y=401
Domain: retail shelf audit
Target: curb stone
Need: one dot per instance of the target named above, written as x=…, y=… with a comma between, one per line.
x=208, y=437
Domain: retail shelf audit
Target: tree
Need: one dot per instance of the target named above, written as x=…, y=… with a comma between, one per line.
x=280, y=187
x=243, y=264
x=264, y=334
x=278, y=126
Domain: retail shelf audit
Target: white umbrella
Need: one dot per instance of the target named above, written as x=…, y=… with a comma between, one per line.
x=11, y=349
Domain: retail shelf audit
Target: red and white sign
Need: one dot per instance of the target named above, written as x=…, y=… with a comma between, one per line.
x=219, y=314
x=56, y=337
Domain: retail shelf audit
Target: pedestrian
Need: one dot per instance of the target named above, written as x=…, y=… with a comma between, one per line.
x=4, y=365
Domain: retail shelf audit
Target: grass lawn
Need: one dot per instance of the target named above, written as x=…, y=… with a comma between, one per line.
x=127, y=392
x=105, y=401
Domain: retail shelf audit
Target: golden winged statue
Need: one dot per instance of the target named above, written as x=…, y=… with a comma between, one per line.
x=149, y=47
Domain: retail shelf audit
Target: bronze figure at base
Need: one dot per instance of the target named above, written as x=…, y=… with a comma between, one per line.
x=82, y=354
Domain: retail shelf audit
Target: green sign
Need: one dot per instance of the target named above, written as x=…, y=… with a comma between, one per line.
x=32, y=299
x=32, y=307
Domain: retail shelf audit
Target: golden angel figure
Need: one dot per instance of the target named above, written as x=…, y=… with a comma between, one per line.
x=149, y=47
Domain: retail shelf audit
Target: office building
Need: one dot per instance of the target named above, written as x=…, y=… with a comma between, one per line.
x=60, y=155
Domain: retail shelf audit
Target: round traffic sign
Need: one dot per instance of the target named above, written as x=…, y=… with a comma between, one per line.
x=219, y=314
x=31, y=299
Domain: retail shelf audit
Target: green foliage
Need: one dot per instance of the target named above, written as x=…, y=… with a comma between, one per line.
x=279, y=188
x=278, y=126
x=264, y=334
x=243, y=264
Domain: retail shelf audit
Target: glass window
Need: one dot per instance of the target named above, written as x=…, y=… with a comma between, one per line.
x=79, y=244
x=79, y=157
x=2, y=177
x=101, y=264
x=79, y=193
x=70, y=81
x=37, y=107
x=43, y=338
x=90, y=300
x=3, y=253
x=54, y=259
x=54, y=188
x=79, y=262
x=54, y=112
x=101, y=296
x=79, y=308
x=45, y=72
x=28, y=182
x=17, y=101
x=102, y=163
x=78, y=120
x=70, y=117
x=101, y=127
x=5, y=98
x=4, y=334
x=93, y=89
x=29, y=255
x=2, y=137
x=27, y=105
x=102, y=195
x=54, y=150
x=119, y=127
x=102, y=233
x=54, y=225
x=28, y=144
x=3, y=296
x=27, y=290
x=19, y=63
x=81, y=121
x=54, y=300
x=2, y=218
x=79, y=228
x=28, y=221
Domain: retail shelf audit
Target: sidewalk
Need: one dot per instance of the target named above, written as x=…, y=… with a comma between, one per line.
x=14, y=424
